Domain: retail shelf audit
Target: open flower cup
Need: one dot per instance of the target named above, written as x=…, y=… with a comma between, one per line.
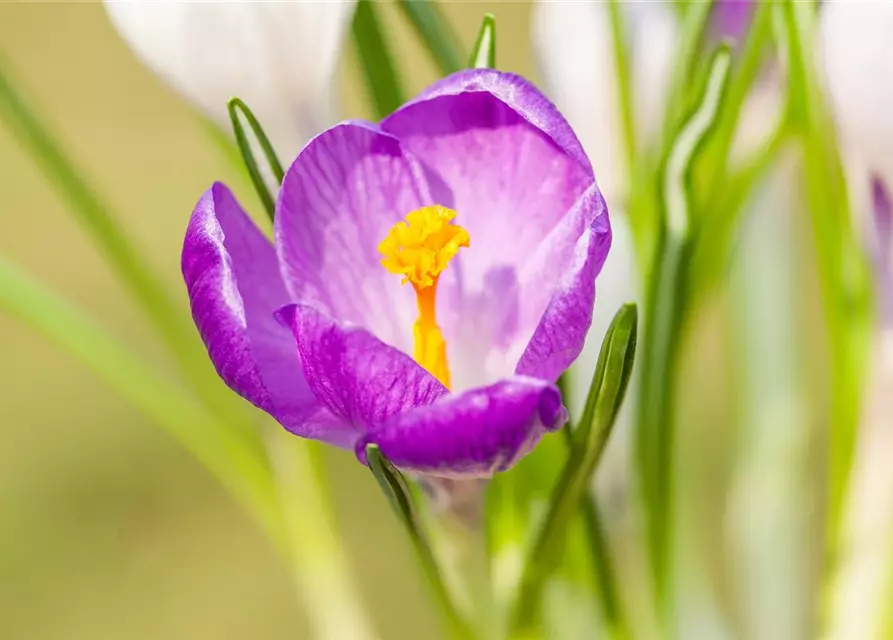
x=431, y=278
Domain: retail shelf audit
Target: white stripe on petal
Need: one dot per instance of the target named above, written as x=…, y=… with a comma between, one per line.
x=278, y=57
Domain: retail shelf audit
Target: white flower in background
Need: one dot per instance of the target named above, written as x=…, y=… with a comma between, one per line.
x=575, y=51
x=857, y=60
x=856, y=56
x=279, y=57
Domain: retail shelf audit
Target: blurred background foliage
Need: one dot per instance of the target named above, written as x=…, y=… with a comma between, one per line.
x=109, y=530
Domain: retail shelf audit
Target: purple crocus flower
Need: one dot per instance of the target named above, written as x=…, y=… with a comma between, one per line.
x=505, y=232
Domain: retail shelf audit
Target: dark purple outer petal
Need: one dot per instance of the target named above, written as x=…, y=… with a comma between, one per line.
x=233, y=281
x=338, y=201
x=354, y=374
x=471, y=434
x=561, y=331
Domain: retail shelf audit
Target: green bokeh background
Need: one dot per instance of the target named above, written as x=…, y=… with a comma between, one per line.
x=107, y=528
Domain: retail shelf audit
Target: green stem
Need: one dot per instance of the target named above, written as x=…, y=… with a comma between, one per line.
x=311, y=543
x=606, y=393
x=602, y=567
x=668, y=298
x=398, y=494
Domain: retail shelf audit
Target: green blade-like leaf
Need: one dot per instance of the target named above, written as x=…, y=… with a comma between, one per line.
x=435, y=32
x=235, y=106
x=241, y=468
x=124, y=257
x=609, y=384
x=623, y=74
x=47, y=152
x=668, y=300
x=483, y=54
x=376, y=59
x=844, y=273
x=396, y=490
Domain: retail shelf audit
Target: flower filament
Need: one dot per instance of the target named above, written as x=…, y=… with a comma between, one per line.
x=419, y=249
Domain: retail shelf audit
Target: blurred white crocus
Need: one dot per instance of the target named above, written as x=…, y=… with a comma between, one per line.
x=857, y=60
x=575, y=51
x=856, y=57
x=279, y=57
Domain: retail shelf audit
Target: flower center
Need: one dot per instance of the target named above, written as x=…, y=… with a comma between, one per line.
x=419, y=249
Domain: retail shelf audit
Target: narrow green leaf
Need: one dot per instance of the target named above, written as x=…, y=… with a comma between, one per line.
x=694, y=23
x=668, y=303
x=234, y=106
x=397, y=492
x=241, y=468
x=376, y=59
x=90, y=211
x=624, y=83
x=124, y=258
x=748, y=63
x=609, y=384
x=435, y=32
x=483, y=55
x=844, y=273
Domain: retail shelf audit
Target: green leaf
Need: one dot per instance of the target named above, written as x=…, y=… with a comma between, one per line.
x=844, y=273
x=234, y=106
x=435, y=31
x=397, y=492
x=624, y=83
x=609, y=384
x=691, y=40
x=483, y=55
x=668, y=303
x=125, y=259
x=376, y=60
x=91, y=212
x=241, y=468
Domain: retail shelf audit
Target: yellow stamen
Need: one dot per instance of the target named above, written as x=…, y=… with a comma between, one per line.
x=420, y=249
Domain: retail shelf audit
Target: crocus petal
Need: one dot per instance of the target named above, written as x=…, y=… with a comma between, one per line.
x=233, y=281
x=509, y=160
x=573, y=46
x=509, y=164
x=618, y=283
x=278, y=57
x=471, y=434
x=562, y=326
x=857, y=55
x=354, y=374
x=343, y=193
